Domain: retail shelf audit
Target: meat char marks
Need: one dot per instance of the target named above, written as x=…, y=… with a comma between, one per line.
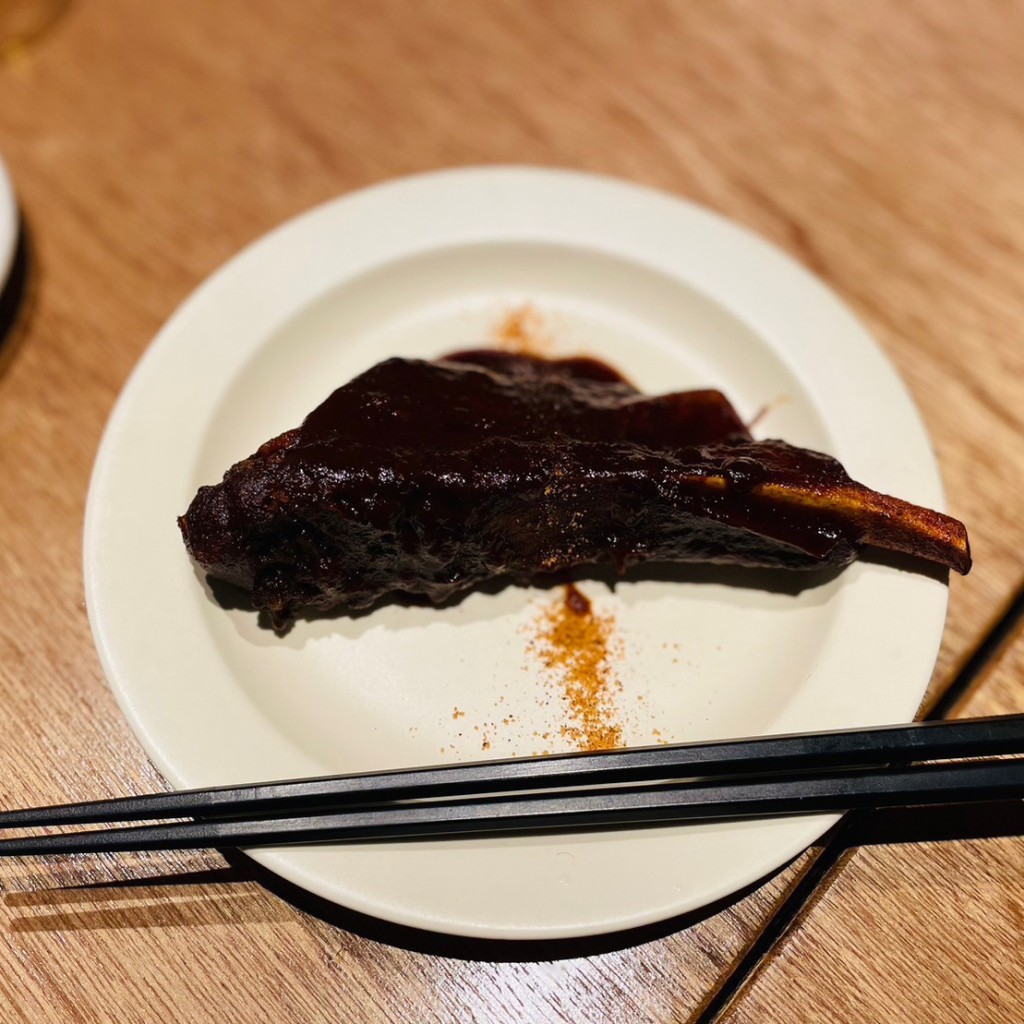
x=427, y=478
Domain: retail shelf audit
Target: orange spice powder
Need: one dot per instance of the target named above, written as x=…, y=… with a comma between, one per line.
x=576, y=645
x=522, y=330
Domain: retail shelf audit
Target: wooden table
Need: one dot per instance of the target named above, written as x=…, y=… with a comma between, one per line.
x=881, y=144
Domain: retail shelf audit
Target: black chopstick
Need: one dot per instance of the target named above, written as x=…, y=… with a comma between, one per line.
x=979, y=737
x=760, y=797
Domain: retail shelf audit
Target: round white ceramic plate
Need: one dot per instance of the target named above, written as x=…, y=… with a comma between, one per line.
x=8, y=225
x=669, y=293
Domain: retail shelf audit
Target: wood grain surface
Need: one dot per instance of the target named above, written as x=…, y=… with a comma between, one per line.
x=878, y=143
x=922, y=918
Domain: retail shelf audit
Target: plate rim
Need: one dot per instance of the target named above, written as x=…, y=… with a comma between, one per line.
x=8, y=223
x=507, y=177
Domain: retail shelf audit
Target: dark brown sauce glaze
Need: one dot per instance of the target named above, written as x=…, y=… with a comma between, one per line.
x=430, y=477
x=471, y=396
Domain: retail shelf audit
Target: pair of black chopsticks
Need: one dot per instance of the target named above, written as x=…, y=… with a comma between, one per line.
x=773, y=776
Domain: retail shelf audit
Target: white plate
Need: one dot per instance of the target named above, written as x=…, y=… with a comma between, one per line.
x=671, y=294
x=8, y=225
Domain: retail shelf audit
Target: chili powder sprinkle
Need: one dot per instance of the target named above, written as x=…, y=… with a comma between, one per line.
x=523, y=331
x=577, y=645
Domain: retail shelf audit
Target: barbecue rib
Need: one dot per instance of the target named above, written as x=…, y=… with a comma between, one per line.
x=429, y=477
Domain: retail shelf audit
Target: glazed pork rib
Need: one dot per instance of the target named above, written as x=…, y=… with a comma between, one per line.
x=427, y=478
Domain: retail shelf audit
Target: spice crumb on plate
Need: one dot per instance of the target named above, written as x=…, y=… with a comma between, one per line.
x=524, y=331
x=578, y=648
